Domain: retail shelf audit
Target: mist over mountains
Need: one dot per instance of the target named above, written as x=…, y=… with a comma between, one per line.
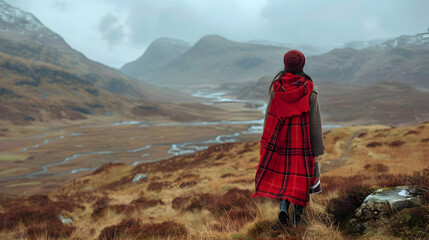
x=216, y=60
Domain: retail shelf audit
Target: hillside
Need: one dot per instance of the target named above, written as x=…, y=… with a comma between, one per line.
x=159, y=53
x=386, y=102
x=207, y=194
x=42, y=78
x=407, y=65
x=215, y=60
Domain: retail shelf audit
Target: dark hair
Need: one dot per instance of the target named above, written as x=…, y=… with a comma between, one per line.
x=281, y=73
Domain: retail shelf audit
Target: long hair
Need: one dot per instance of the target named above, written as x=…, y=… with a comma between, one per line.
x=282, y=73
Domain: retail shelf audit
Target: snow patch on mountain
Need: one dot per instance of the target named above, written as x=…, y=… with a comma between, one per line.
x=421, y=39
x=15, y=20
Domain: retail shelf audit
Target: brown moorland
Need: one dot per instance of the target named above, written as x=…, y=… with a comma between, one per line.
x=206, y=195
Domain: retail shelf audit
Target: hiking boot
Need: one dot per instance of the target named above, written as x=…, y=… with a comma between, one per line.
x=297, y=213
x=283, y=213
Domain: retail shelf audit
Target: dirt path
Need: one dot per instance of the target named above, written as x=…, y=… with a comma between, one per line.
x=342, y=160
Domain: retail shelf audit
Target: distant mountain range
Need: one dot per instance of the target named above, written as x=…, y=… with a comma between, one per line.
x=212, y=60
x=216, y=60
x=408, y=65
x=43, y=79
x=418, y=40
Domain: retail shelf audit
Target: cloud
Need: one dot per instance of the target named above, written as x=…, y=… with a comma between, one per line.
x=60, y=5
x=111, y=30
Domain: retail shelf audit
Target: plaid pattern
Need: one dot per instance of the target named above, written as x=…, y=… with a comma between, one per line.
x=285, y=170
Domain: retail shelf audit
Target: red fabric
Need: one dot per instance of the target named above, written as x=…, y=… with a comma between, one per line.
x=286, y=165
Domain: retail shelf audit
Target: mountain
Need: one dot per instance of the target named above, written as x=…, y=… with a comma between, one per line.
x=215, y=60
x=22, y=35
x=350, y=66
x=17, y=24
x=159, y=53
x=42, y=78
x=386, y=102
x=417, y=40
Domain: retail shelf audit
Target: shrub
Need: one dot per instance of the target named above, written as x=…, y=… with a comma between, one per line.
x=396, y=143
x=374, y=144
x=340, y=184
x=411, y=223
x=101, y=206
x=107, y=167
x=362, y=134
x=411, y=132
x=188, y=184
x=39, y=214
x=131, y=229
x=420, y=181
x=158, y=186
x=346, y=203
x=378, y=167
x=228, y=175
x=195, y=201
x=391, y=180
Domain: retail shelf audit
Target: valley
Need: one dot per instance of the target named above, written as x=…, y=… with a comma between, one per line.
x=39, y=159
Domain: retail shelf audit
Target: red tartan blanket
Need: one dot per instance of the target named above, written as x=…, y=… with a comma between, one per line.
x=285, y=169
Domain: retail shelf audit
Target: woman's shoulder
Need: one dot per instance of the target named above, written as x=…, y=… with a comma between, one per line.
x=315, y=90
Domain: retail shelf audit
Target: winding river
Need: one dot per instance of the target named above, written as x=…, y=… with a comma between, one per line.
x=175, y=148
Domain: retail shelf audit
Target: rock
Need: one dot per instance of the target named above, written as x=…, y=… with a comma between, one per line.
x=139, y=177
x=382, y=202
x=386, y=201
x=65, y=220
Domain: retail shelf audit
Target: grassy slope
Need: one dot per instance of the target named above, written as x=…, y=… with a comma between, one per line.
x=42, y=79
x=34, y=91
x=206, y=194
x=380, y=103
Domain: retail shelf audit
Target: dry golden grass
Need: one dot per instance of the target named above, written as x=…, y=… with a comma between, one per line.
x=206, y=195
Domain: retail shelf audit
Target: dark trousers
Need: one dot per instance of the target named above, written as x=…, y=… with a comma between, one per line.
x=297, y=211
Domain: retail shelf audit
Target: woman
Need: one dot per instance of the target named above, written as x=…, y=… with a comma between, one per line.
x=292, y=140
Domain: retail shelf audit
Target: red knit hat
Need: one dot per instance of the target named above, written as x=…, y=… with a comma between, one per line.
x=294, y=61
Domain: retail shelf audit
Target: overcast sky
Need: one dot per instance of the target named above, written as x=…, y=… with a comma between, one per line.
x=115, y=32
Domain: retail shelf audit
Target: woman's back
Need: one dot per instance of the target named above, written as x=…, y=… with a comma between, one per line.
x=292, y=139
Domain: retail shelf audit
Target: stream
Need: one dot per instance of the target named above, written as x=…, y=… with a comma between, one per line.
x=176, y=149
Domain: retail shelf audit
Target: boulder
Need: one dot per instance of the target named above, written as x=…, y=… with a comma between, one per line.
x=383, y=202
x=387, y=201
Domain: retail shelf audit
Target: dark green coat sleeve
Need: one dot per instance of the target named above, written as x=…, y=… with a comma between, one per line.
x=316, y=134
